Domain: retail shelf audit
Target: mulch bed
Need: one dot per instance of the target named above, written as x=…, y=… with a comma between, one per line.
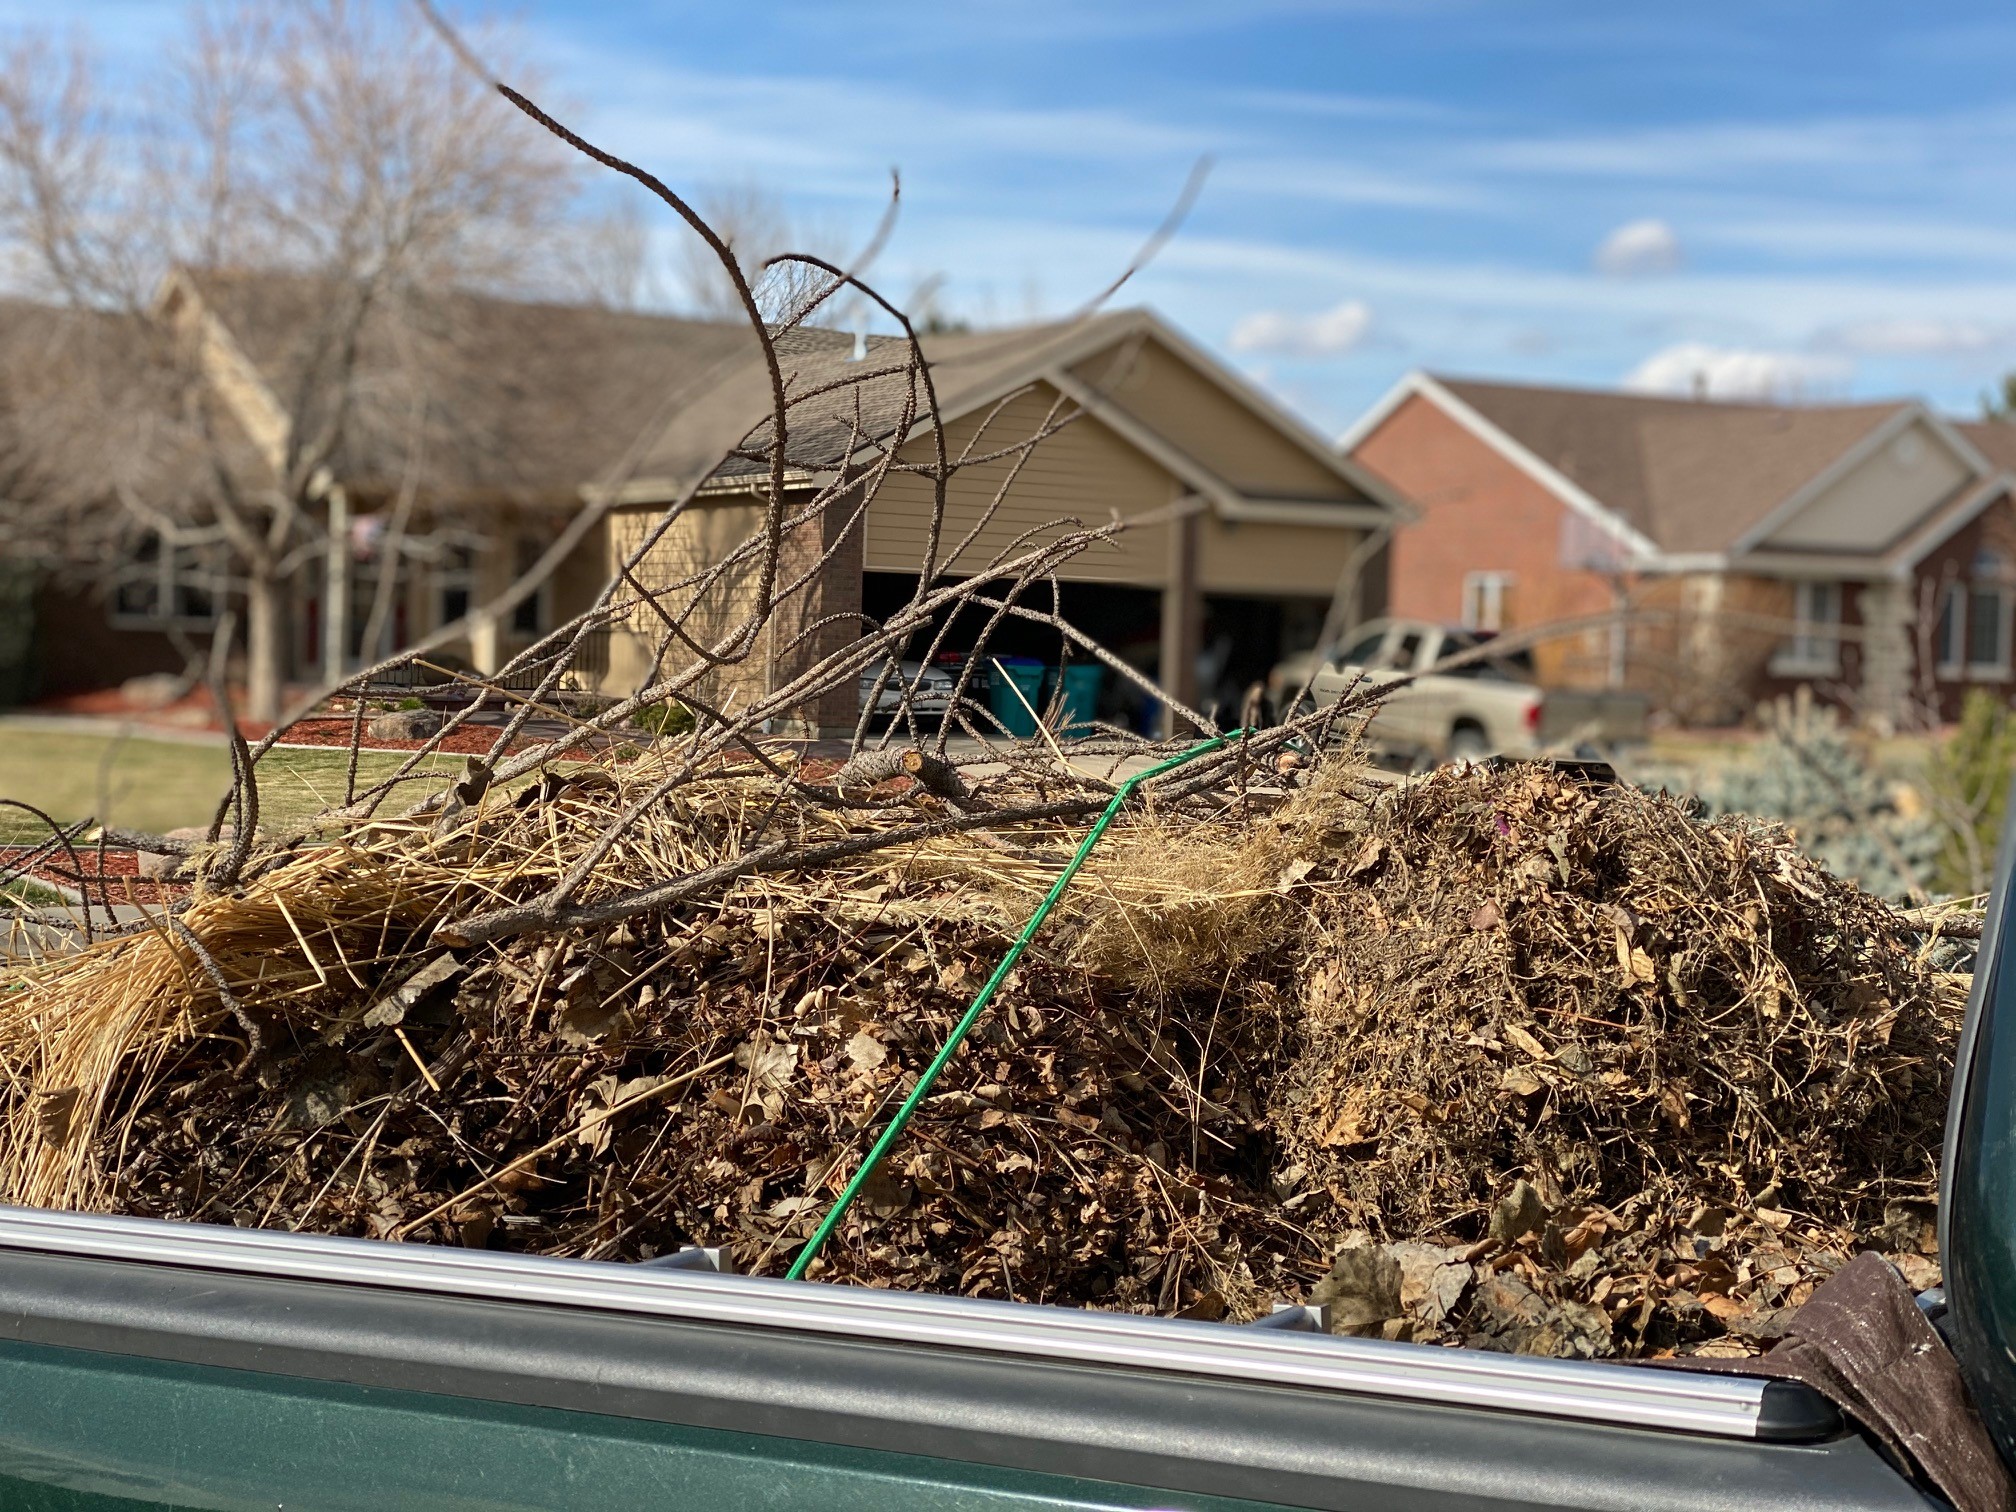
x=470, y=740
x=107, y=878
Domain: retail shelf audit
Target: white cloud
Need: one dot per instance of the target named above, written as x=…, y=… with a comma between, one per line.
x=1639, y=247
x=1913, y=338
x=1712, y=372
x=1330, y=334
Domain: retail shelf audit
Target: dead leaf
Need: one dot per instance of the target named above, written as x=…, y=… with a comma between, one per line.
x=1518, y=1213
x=1486, y=915
x=1526, y=1041
x=865, y=1052
x=1369, y=855
x=391, y=1009
x=55, y=1114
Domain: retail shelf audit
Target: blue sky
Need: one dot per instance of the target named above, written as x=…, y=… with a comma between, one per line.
x=1787, y=197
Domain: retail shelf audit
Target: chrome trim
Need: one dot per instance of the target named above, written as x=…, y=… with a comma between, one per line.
x=1724, y=1406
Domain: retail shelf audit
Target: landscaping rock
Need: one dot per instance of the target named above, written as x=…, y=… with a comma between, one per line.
x=156, y=690
x=154, y=865
x=404, y=724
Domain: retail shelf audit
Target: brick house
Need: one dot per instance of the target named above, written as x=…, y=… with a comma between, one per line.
x=1712, y=554
x=550, y=423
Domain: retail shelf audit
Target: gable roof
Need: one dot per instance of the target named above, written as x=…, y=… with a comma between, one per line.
x=547, y=401
x=519, y=397
x=856, y=405
x=1687, y=475
x=852, y=402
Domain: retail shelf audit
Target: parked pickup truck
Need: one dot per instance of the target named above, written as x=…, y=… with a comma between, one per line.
x=154, y=1364
x=1484, y=706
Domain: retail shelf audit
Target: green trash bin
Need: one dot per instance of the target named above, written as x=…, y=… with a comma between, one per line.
x=1010, y=674
x=1081, y=693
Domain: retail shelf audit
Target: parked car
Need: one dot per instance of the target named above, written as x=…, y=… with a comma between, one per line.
x=1487, y=706
x=933, y=685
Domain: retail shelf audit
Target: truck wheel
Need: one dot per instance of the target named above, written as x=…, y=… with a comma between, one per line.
x=1468, y=743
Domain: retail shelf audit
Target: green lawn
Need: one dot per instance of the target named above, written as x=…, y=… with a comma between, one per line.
x=157, y=785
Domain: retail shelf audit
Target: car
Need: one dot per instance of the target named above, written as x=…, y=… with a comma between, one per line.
x=1485, y=704
x=930, y=688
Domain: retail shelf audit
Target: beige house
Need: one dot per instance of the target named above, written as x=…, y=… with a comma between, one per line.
x=1266, y=517
x=537, y=420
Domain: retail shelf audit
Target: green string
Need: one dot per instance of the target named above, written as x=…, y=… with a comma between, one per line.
x=965, y=1025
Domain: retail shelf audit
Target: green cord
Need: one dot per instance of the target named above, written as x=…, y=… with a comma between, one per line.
x=965, y=1025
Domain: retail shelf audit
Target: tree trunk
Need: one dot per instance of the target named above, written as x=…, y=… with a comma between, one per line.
x=265, y=646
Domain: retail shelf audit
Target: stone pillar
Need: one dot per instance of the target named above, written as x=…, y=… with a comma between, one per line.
x=1888, y=619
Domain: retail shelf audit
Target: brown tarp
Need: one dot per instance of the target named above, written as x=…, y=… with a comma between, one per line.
x=1862, y=1342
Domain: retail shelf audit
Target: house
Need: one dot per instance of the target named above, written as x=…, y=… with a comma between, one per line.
x=537, y=420
x=1712, y=554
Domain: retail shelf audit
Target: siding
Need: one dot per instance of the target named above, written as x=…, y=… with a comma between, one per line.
x=1087, y=471
x=1083, y=471
x=1875, y=502
x=1270, y=561
x=1194, y=414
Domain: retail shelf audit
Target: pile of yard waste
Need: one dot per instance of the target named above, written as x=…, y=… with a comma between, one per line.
x=1496, y=1057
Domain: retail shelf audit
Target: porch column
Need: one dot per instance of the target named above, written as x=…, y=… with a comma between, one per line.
x=336, y=589
x=1887, y=621
x=1182, y=619
x=484, y=648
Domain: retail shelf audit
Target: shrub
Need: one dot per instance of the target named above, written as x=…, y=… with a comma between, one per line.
x=663, y=719
x=1812, y=776
x=1968, y=778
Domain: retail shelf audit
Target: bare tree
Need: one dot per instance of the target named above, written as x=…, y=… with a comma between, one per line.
x=334, y=142
x=758, y=228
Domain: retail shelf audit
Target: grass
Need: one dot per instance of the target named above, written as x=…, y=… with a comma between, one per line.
x=157, y=785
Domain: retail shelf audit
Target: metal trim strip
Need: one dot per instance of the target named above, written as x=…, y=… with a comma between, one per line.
x=1625, y=1396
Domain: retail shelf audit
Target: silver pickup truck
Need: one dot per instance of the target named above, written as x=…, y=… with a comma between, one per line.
x=1481, y=705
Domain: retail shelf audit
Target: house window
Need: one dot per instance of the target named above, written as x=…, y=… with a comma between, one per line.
x=455, y=582
x=1988, y=604
x=163, y=585
x=1484, y=600
x=528, y=615
x=1814, y=649
x=1951, y=639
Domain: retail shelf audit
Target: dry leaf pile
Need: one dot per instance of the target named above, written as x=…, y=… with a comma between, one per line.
x=1642, y=1080
x=1492, y=1058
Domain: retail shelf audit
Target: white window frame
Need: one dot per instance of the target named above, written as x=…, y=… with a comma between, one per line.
x=1484, y=600
x=1814, y=648
x=173, y=568
x=1949, y=636
x=1991, y=582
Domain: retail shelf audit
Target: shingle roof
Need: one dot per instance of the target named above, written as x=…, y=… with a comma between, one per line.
x=521, y=398
x=1689, y=475
x=92, y=402
x=852, y=401
x=1994, y=439
x=539, y=399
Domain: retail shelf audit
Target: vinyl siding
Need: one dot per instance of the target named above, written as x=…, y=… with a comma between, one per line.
x=1269, y=561
x=1192, y=413
x=1083, y=472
